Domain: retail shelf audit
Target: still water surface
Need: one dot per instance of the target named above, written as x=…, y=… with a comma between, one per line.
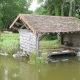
x=19, y=69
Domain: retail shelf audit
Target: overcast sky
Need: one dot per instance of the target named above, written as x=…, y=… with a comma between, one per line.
x=34, y=5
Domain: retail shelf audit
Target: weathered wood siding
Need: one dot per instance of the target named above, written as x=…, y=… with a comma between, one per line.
x=27, y=40
x=72, y=38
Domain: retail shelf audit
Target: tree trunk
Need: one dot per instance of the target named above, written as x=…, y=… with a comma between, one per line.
x=74, y=9
x=62, y=8
x=62, y=11
x=70, y=9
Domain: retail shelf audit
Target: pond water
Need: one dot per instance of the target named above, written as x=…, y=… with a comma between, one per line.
x=19, y=69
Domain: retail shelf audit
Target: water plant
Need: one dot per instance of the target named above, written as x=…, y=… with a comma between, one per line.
x=41, y=60
x=35, y=59
x=32, y=58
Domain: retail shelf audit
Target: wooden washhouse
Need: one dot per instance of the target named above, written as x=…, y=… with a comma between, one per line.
x=31, y=27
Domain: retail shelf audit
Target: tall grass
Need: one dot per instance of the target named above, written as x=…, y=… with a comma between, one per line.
x=35, y=59
x=9, y=43
x=32, y=58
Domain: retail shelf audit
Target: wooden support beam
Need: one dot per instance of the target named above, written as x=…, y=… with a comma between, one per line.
x=37, y=44
x=25, y=25
x=18, y=23
x=61, y=38
x=15, y=28
x=38, y=52
x=22, y=26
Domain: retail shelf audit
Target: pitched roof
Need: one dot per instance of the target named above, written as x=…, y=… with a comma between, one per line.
x=46, y=23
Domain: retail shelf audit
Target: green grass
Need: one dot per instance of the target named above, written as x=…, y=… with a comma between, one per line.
x=9, y=42
x=50, y=44
x=12, y=36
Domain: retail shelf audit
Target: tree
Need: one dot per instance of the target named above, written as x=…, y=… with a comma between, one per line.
x=1, y=15
x=52, y=7
x=0, y=19
x=59, y=8
x=11, y=8
x=77, y=8
x=62, y=7
x=41, y=10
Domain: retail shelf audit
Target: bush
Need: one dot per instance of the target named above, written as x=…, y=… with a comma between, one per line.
x=49, y=36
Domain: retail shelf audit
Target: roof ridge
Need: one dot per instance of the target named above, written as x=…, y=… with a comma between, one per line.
x=47, y=15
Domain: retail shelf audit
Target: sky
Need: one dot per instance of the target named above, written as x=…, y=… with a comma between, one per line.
x=34, y=5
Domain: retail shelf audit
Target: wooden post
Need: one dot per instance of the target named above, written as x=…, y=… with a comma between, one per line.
x=60, y=37
x=37, y=44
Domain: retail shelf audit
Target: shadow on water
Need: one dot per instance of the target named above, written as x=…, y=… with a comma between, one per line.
x=19, y=69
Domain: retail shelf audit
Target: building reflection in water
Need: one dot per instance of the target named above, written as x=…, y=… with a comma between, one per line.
x=15, y=69
x=28, y=72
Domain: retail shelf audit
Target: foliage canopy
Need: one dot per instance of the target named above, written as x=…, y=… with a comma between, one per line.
x=59, y=8
x=9, y=9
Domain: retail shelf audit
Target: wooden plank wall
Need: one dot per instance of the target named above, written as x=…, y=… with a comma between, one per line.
x=27, y=40
x=72, y=38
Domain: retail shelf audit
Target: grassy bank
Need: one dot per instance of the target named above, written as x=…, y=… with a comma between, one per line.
x=9, y=42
